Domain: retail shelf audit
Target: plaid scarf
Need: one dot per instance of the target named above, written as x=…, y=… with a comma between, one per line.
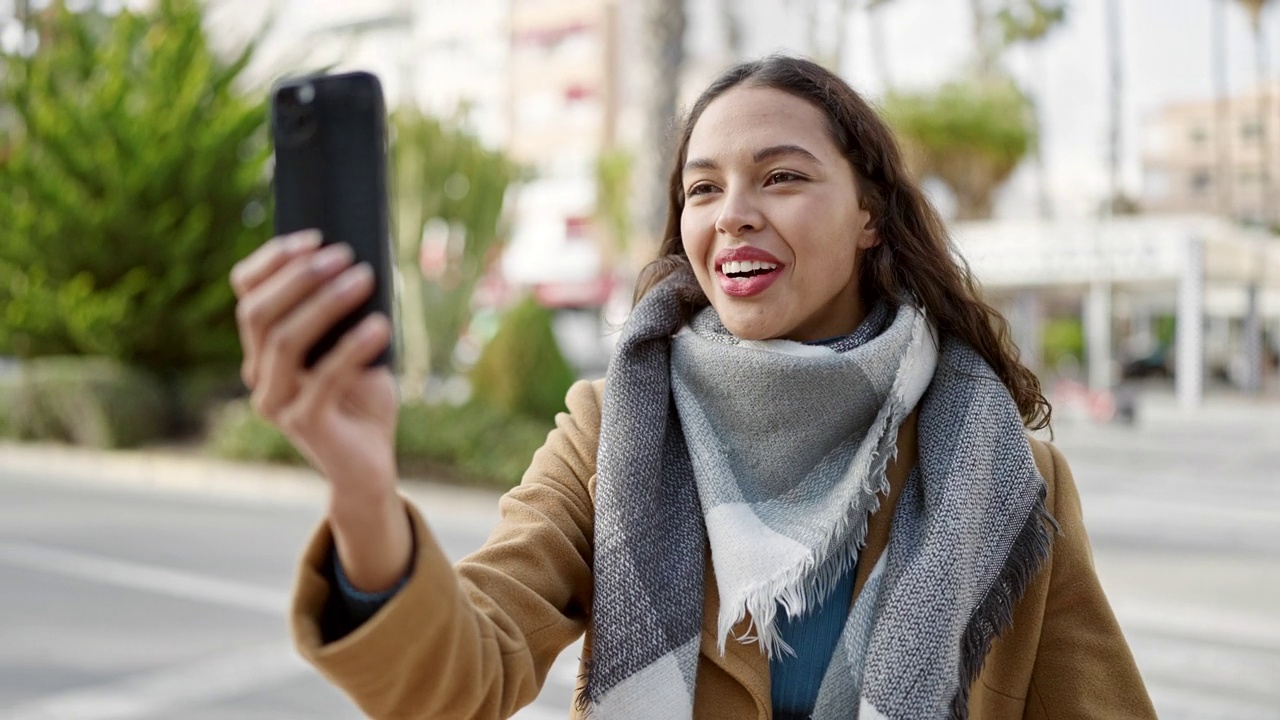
x=708, y=438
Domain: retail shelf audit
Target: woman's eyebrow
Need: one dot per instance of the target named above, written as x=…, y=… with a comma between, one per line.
x=776, y=151
x=772, y=152
x=701, y=164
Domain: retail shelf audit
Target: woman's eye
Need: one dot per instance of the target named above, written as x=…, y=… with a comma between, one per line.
x=781, y=176
x=699, y=189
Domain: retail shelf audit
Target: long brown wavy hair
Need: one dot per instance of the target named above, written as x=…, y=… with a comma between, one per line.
x=914, y=261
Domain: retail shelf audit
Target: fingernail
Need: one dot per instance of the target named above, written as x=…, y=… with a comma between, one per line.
x=355, y=277
x=303, y=240
x=332, y=258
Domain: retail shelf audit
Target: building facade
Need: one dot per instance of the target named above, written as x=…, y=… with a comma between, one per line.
x=1216, y=157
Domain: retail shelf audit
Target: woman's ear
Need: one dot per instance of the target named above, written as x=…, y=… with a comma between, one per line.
x=867, y=236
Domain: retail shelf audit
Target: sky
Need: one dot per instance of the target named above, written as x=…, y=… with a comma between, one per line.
x=1167, y=58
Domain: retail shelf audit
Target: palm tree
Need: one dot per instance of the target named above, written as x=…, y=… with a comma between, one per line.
x=731, y=24
x=1030, y=22
x=1253, y=320
x=665, y=22
x=1116, y=95
x=879, y=49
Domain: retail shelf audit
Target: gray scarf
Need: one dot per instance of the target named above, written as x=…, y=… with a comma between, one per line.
x=778, y=452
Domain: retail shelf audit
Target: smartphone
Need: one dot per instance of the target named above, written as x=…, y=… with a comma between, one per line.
x=330, y=140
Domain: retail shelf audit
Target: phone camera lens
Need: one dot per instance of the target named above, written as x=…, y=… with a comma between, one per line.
x=306, y=93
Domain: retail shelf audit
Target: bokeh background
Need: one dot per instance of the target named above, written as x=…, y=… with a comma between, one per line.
x=1109, y=168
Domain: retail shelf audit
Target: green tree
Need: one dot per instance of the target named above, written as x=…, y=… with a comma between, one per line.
x=131, y=179
x=970, y=134
x=445, y=174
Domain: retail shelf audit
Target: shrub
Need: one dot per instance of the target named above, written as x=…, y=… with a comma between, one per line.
x=195, y=395
x=95, y=402
x=134, y=175
x=521, y=370
x=238, y=433
x=1063, y=339
x=471, y=443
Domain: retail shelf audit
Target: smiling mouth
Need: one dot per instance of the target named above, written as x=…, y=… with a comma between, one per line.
x=743, y=270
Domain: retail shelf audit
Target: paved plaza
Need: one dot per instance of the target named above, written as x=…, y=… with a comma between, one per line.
x=155, y=586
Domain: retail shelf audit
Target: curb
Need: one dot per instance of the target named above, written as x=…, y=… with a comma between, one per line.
x=171, y=471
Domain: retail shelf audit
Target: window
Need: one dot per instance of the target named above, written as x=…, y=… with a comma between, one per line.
x=1200, y=181
x=1199, y=135
x=1251, y=130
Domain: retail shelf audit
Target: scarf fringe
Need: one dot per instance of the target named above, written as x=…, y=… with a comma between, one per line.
x=995, y=612
x=811, y=583
x=581, y=698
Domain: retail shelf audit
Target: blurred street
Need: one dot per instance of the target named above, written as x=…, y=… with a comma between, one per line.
x=155, y=586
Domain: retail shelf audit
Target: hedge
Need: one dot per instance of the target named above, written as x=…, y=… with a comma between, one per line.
x=472, y=443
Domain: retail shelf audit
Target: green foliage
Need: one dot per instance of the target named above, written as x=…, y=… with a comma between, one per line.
x=128, y=177
x=969, y=134
x=1063, y=338
x=443, y=173
x=613, y=200
x=196, y=394
x=94, y=402
x=472, y=443
x=521, y=370
x=238, y=433
x=1030, y=20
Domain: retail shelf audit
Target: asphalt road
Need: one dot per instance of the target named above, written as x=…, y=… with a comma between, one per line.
x=128, y=592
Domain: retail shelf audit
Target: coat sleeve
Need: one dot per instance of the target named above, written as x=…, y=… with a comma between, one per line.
x=475, y=640
x=1083, y=666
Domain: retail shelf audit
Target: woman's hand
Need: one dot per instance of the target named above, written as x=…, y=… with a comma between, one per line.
x=340, y=414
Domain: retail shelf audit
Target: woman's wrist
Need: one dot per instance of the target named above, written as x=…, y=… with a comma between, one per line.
x=372, y=536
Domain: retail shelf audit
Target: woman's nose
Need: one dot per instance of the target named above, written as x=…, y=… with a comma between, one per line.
x=739, y=214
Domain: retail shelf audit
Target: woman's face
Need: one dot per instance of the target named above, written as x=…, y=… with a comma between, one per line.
x=772, y=223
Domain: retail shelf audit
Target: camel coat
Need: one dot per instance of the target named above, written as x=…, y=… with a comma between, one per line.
x=476, y=640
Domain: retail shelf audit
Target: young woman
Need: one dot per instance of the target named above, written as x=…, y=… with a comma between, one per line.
x=805, y=488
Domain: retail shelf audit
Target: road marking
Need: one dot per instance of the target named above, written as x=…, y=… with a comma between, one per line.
x=161, y=693
x=151, y=578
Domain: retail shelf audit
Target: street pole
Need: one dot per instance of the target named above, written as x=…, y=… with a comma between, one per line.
x=1115, y=39
x=1222, y=119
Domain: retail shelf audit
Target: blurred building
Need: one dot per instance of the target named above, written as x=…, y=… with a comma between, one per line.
x=460, y=56
x=1209, y=155
x=569, y=104
x=1219, y=282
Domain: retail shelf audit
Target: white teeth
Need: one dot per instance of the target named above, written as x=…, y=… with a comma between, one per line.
x=737, y=268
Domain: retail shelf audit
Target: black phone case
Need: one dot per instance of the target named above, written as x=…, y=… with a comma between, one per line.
x=331, y=173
